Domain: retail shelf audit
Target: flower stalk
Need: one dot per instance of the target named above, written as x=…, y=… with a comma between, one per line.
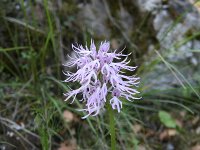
x=111, y=126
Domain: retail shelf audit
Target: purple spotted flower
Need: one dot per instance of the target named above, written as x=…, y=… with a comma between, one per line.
x=100, y=72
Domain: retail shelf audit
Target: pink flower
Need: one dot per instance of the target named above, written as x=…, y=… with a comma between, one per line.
x=101, y=72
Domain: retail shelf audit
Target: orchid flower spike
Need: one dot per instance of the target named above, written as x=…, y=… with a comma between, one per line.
x=99, y=73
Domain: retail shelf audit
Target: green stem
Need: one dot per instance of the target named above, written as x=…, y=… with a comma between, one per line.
x=112, y=126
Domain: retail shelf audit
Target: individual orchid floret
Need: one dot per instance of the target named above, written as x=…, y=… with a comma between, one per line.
x=101, y=72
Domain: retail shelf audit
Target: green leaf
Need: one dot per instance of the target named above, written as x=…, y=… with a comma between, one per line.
x=167, y=119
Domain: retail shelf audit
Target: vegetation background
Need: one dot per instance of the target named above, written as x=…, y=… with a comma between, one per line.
x=35, y=38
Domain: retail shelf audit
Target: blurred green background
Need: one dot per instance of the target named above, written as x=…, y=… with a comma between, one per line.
x=35, y=39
